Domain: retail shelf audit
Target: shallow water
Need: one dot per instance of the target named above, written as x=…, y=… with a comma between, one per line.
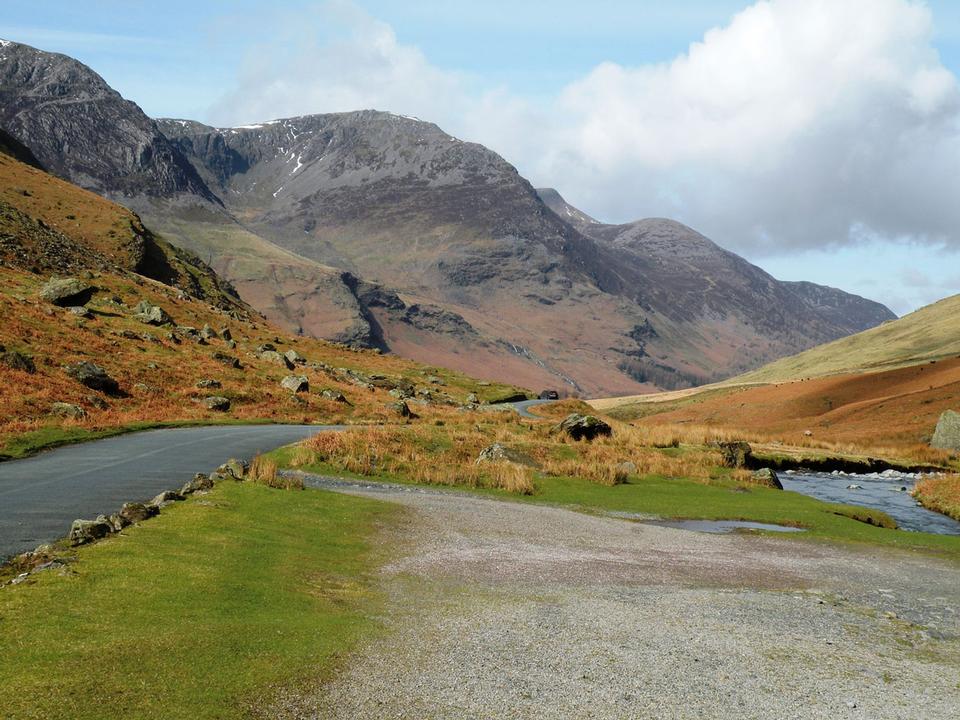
x=882, y=491
x=722, y=526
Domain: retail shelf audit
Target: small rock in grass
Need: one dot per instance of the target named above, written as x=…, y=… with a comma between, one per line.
x=584, y=427
x=272, y=356
x=227, y=360
x=208, y=333
x=165, y=498
x=135, y=512
x=216, y=403
x=200, y=482
x=766, y=476
x=68, y=410
x=18, y=361
x=237, y=469
x=67, y=292
x=79, y=311
x=334, y=395
x=86, y=531
x=151, y=314
x=295, y=383
x=295, y=357
x=226, y=334
x=208, y=383
x=401, y=408
x=94, y=377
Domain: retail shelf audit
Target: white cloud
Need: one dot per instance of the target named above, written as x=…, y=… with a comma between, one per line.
x=801, y=124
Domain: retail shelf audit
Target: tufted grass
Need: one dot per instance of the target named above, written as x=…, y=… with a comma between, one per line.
x=201, y=613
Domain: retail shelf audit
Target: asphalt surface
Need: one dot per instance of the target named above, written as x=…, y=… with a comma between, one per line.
x=42, y=495
x=523, y=406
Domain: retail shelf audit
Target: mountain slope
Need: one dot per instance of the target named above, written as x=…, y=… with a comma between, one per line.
x=385, y=231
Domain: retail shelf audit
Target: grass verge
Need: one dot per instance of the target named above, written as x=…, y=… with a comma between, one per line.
x=940, y=493
x=199, y=613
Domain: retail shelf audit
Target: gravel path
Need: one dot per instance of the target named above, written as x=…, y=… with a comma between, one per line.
x=510, y=610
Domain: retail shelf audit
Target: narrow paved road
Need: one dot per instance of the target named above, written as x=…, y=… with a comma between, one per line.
x=42, y=495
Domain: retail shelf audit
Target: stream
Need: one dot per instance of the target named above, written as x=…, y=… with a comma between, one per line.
x=888, y=491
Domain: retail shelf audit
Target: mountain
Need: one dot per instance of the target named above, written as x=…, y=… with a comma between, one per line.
x=382, y=230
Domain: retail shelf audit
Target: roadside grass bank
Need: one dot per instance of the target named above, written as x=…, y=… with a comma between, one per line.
x=202, y=612
x=940, y=493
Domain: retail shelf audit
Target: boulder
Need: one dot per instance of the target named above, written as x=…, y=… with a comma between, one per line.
x=294, y=357
x=98, y=402
x=94, y=377
x=295, y=383
x=208, y=333
x=199, y=482
x=68, y=410
x=135, y=512
x=767, y=476
x=18, y=361
x=151, y=314
x=165, y=498
x=584, y=427
x=209, y=384
x=67, y=292
x=334, y=395
x=736, y=453
x=401, y=408
x=236, y=469
x=228, y=360
x=87, y=531
x=216, y=403
x=266, y=347
x=501, y=453
x=118, y=522
x=947, y=434
x=272, y=356
x=472, y=399
x=226, y=334
x=80, y=311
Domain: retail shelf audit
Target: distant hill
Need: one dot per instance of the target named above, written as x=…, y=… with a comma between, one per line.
x=384, y=231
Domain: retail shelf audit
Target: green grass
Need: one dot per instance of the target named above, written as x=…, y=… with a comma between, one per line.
x=199, y=613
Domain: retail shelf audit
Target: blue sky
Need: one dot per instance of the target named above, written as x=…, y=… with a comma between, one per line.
x=556, y=86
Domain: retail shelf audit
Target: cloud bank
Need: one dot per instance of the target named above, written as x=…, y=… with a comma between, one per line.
x=799, y=125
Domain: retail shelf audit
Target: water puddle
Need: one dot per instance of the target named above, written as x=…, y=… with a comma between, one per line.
x=719, y=527
x=888, y=491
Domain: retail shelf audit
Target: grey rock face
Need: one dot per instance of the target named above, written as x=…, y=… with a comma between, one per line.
x=67, y=292
x=585, y=427
x=767, y=476
x=49, y=101
x=272, y=356
x=947, y=434
x=94, y=377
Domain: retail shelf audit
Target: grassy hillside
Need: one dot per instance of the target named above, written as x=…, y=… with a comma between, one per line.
x=931, y=333
x=49, y=227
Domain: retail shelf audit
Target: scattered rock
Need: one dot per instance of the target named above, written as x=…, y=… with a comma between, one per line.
x=137, y=512
x=334, y=395
x=94, y=377
x=79, y=311
x=67, y=292
x=947, y=434
x=208, y=333
x=216, y=403
x=236, y=469
x=226, y=334
x=210, y=384
x=98, y=402
x=401, y=408
x=151, y=314
x=228, y=360
x=230, y=344
x=266, y=347
x=584, y=427
x=766, y=476
x=68, y=410
x=272, y=356
x=501, y=453
x=294, y=357
x=165, y=498
x=18, y=361
x=434, y=380
x=86, y=531
x=117, y=522
x=295, y=383
x=200, y=482
x=736, y=453
x=145, y=389
x=472, y=399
